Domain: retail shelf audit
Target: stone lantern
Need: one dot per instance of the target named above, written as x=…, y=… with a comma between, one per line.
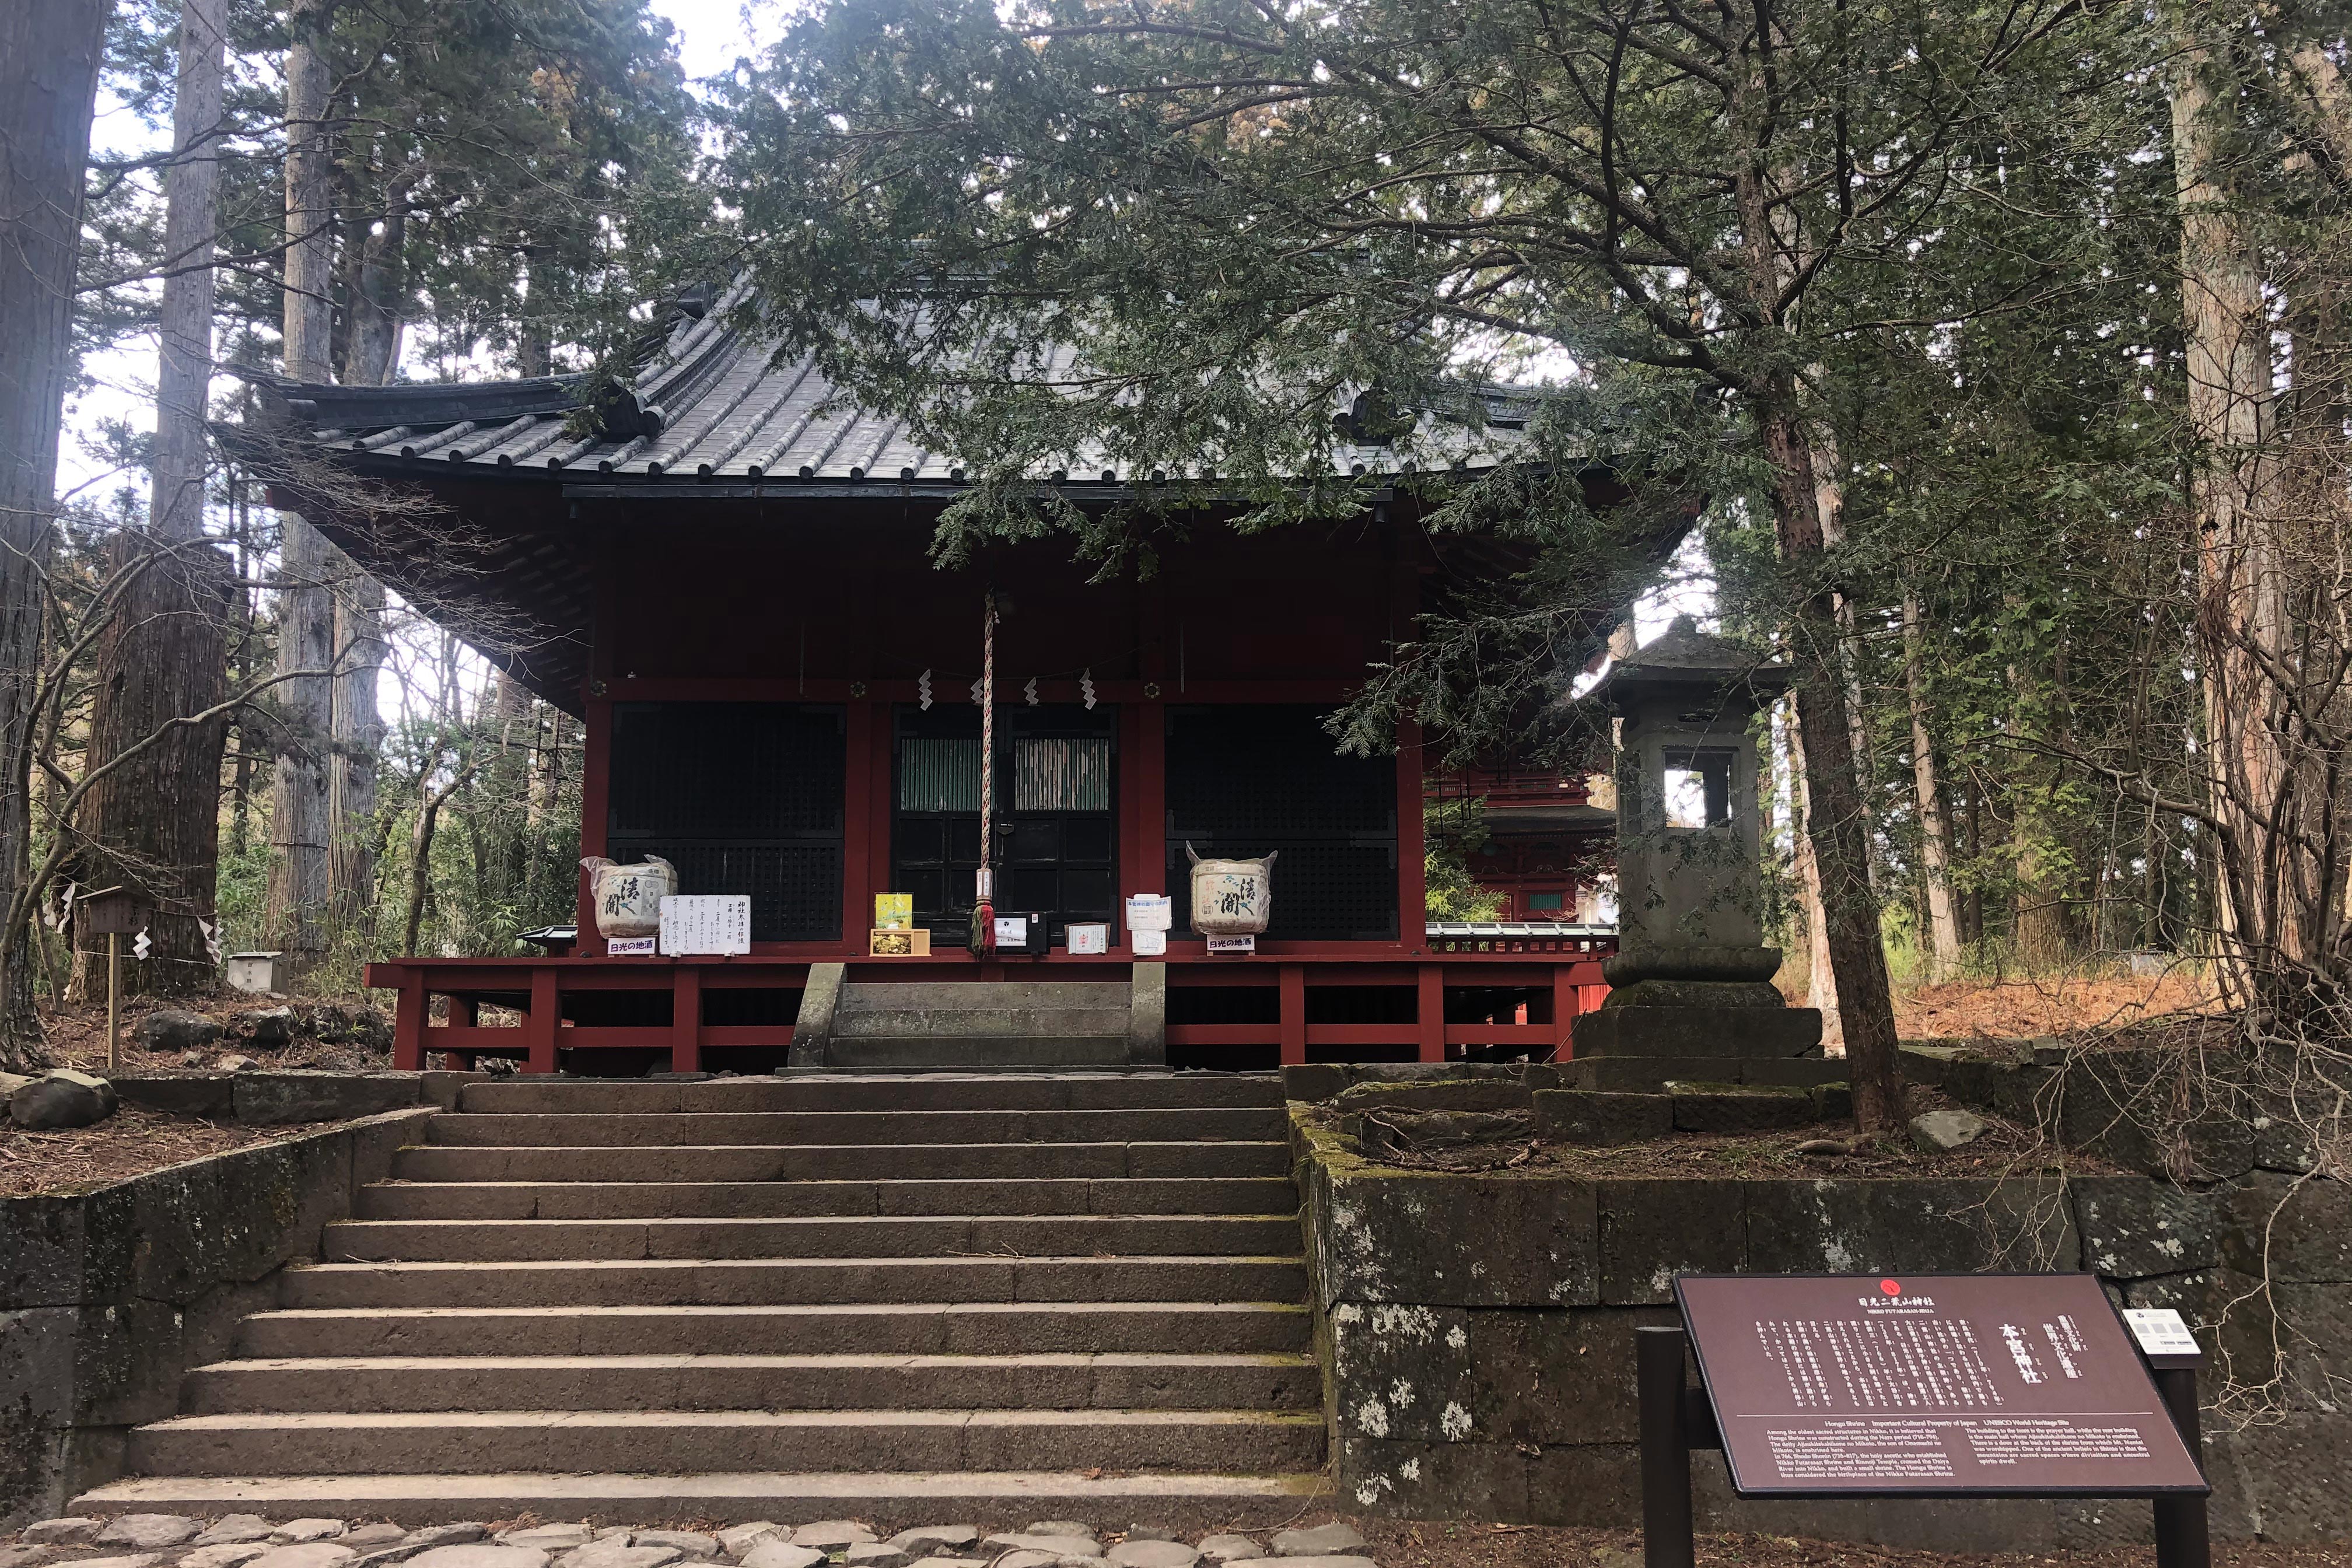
x=1690, y=997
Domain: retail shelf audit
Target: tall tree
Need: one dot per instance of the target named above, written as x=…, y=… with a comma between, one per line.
x=50, y=55
x=155, y=824
x=301, y=820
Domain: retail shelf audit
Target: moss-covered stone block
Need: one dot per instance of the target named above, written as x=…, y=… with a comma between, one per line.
x=1652, y=1231
x=2133, y=1226
x=1830, y=1226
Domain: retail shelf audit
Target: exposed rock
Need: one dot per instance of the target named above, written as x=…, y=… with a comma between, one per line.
x=368, y=1537
x=1150, y=1532
x=876, y=1555
x=64, y=1099
x=433, y=1535
x=269, y=1028
x=736, y=1540
x=148, y=1531
x=235, y=1555
x=70, y=1530
x=686, y=1542
x=1152, y=1554
x=616, y=1552
x=306, y=1554
x=548, y=1537
x=236, y=1530
x=832, y=1534
x=176, y=1029
x=944, y=1563
x=1338, y=1537
x=295, y=1531
x=26, y=1556
x=1231, y=1548
x=481, y=1556
x=924, y=1537
x=235, y=1063
x=775, y=1553
x=1060, y=1526
x=1039, y=1560
x=1059, y=1545
x=1941, y=1131
x=135, y=1559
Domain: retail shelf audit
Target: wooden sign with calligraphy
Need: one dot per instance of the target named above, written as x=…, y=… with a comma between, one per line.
x=1929, y=1384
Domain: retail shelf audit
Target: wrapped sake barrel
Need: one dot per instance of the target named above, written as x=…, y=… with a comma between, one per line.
x=628, y=898
x=1231, y=898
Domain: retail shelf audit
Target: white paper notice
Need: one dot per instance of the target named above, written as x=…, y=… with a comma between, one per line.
x=1089, y=937
x=1013, y=930
x=1150, y=911
x=1150, y=944
x=2160, y=1332
x=705, y=924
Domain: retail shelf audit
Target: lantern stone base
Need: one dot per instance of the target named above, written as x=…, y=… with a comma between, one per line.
x=1641, y=958
x=1700, y=1031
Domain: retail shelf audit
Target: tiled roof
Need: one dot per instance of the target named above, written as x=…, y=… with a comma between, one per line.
x=713, y=404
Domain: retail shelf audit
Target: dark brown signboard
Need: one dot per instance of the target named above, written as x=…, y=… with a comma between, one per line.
x=1935, y=1385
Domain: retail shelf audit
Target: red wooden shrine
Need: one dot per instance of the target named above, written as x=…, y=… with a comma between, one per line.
x=750, y=655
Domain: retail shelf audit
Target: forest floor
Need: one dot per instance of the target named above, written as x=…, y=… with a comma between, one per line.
x=77, y=1035
x=2023, y=1006
x=130, y=1143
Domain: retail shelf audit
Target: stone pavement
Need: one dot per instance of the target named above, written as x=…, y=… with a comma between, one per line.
x=250, y=1541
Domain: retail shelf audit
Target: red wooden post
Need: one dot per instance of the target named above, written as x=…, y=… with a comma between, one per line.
x=1148, y=874
x=1567, y=1002
x=686, y=1018
x=464, y=1013
x=1413, y=874
x=1294, y=1015
x=408, y=1023
x=1430, y=1010
x=540, y=1026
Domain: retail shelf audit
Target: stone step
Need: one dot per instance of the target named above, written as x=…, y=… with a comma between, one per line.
x=900, y=1329
x=1117, y=1381
x=917, y=1161
x=918, y=1328
x=946, y=1235
x=859, y=1128
x=980, y=1023
x=947, y=1047
x=1007, y=1499
x=788, y=1281
x=751, y=1200
x=683, y=1441
x=880, y=1092
x=958, y=995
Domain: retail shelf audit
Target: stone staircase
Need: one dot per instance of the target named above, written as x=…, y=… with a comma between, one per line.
x=999, y=1295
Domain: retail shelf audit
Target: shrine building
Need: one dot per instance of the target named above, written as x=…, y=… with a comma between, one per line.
x=726, y=574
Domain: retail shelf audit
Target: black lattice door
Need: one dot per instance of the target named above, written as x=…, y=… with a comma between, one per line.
x=741, y=798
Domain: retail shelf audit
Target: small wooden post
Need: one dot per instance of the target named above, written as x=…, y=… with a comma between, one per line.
x=114, y=1002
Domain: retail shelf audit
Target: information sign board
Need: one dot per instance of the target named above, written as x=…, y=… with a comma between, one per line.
x=1929, y=1384
x=706, y=924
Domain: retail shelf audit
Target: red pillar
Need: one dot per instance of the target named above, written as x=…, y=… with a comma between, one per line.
x=1430, y=1009
x=1567, y=1002
x=1294, y=1015
x=1146, y=799
x=685, y=1019
x=408, y=1024
x=1412, y=873
x=541, y=1024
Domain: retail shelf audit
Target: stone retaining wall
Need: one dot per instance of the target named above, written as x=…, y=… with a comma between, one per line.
x=107, y=1295
x=277, y=1098
x=1476, y=1330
